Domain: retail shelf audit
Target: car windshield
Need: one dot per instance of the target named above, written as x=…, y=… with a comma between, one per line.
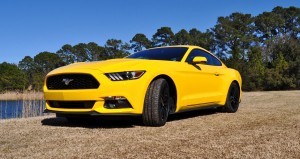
x=167, y=53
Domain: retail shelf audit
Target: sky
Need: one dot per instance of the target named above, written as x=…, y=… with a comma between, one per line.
x=28, y=27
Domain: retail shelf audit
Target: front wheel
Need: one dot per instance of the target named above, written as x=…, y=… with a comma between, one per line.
x=233, y=97
x=157, y=103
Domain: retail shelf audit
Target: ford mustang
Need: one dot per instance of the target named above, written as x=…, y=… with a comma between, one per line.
x=153, y=83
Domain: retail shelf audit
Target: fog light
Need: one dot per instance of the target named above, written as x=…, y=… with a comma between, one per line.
x=110, y=105
x=114, y=102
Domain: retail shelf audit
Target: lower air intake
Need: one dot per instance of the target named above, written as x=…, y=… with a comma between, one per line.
x=72, y=105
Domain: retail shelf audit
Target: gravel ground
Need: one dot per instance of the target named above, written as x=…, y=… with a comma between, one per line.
x=267, y=125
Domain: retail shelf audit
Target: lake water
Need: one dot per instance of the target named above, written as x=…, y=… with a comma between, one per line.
x=21, y=108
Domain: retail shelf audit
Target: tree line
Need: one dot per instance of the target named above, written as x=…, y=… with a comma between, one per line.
x=264, y=48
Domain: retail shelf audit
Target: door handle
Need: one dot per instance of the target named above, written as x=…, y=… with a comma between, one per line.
x=217, y=74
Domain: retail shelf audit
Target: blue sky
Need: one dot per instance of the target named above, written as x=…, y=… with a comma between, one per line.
x=28, y=27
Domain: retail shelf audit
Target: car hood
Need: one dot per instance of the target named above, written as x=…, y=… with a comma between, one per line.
x=113, y=65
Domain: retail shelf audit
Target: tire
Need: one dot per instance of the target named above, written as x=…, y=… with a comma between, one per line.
x=157, y=103
x=233, y=97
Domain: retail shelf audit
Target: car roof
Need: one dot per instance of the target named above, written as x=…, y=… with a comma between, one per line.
x=188, y=46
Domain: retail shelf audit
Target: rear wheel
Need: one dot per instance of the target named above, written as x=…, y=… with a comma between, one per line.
x=157, y=103
x=233, y=97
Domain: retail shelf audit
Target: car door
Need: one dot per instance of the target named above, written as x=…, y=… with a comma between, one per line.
x=203, y=80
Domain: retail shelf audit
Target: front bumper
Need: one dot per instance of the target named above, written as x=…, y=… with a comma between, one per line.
x=133, y=90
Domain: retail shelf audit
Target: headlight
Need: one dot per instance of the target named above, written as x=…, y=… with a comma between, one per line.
x=128, y=75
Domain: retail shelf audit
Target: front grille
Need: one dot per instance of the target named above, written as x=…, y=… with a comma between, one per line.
x=72, y=104
x=72, y=81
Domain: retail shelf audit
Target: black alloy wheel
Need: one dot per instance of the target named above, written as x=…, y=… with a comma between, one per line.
x=233, y=97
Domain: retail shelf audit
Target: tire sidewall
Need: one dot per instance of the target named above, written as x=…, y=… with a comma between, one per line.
x=152, y=111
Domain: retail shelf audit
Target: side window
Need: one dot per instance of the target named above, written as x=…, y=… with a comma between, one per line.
x=216, y=61
x=211, y=60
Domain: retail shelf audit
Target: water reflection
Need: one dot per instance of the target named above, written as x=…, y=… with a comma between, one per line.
x=21, y=108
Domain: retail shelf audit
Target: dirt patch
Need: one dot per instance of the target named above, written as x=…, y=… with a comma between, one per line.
x=265, y=126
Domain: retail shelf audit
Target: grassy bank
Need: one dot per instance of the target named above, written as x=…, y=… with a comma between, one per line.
x=267, y=125
x=26, y=95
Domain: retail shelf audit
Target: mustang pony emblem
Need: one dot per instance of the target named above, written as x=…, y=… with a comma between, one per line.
x=67, y=81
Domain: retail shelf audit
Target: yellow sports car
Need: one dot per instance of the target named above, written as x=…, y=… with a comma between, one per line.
x=152, y=83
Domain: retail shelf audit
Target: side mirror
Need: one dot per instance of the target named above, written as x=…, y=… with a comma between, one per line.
x=199, y=60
